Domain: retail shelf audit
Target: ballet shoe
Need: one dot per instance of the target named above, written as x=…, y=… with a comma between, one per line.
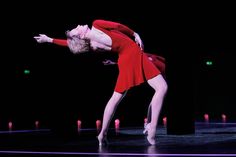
x=146, y=127
x=102, y=141
x=150, y=134
x=151, y=140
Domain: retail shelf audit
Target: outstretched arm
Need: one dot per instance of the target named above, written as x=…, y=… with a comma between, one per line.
x=42, y=38
x=109, y=25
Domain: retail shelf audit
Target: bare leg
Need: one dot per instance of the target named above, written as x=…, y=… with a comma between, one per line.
x=108, y=114
x=149, y=116
x=149, y=113
x=159, y=85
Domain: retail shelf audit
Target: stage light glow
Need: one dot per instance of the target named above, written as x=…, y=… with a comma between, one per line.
x=36, y=124
x=10, y=126
x=98, y=124
x=164, y=121
x=209, y=62
x=206, y=117
x=26, y=71
x=79, y=124
x=117, y=123
x=224, y=119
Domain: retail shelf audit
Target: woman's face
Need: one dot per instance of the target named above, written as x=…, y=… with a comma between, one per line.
x=79, y=31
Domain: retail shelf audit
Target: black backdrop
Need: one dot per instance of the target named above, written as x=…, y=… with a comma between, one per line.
x=64, y=87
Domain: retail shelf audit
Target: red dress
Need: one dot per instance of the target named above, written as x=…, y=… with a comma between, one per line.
x=134, y=65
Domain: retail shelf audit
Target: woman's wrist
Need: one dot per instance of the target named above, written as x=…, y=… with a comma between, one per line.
x=50, y=40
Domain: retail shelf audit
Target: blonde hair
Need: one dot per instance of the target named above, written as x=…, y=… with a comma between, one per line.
x=77, y=45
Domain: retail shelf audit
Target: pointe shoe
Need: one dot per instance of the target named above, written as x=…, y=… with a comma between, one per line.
x=102, y=141
x=151, y=140
x=146, y=127
x=151, y=132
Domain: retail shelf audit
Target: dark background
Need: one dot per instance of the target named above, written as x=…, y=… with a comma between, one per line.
x=63, y=87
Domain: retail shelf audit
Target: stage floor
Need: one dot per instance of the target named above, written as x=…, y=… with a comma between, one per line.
x=210, y=139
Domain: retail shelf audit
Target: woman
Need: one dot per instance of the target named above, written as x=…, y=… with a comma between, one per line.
x=134, y=66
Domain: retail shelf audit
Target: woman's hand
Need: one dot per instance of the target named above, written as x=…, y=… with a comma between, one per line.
x=108, y=62
x=138, y=40
x=42, y=38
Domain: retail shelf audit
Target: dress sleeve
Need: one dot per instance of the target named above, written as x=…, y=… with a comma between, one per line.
x=61, y=42
x=109, y=25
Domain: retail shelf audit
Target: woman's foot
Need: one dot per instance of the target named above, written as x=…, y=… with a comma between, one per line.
x=151, y=139
x=102, y=140
x=146, y=128
x=151, y=134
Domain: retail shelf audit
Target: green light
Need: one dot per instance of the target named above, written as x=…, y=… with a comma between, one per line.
x=209, y=63
x=26, y=71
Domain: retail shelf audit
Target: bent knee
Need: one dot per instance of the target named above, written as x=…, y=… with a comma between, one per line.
x=164, y=87
x=159, y=84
